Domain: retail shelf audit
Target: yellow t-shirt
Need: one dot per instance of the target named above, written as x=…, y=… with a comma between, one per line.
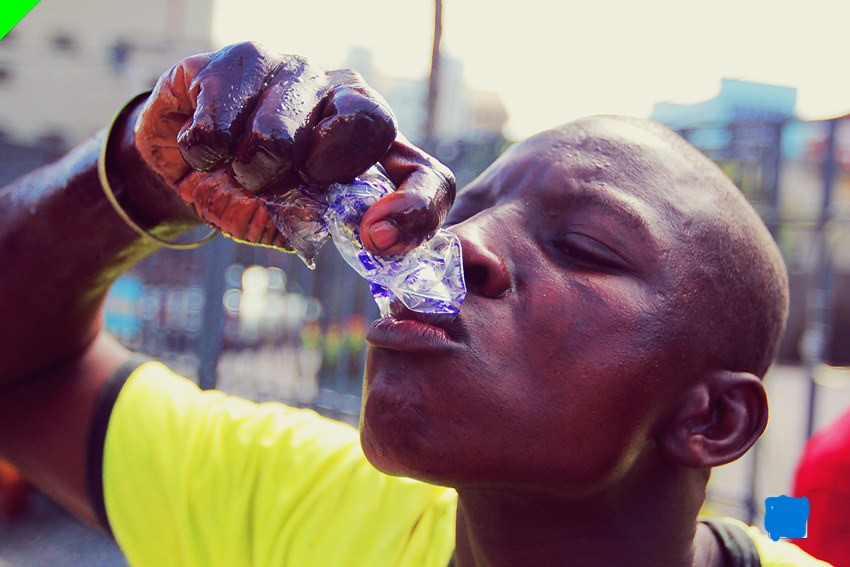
x=199, y=478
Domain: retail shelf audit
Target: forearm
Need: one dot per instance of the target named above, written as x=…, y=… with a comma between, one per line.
x=62, y=246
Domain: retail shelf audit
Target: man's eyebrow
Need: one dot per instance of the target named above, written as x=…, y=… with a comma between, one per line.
x=611, y=200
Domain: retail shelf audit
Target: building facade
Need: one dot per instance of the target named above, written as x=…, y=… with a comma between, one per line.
x=463, y=113
x=69, y=64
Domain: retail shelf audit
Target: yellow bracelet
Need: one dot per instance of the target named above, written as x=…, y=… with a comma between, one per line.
x=110, y=195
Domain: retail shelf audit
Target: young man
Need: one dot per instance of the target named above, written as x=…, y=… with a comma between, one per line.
x=624, y=303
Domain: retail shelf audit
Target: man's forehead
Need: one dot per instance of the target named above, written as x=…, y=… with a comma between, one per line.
x=627, y=155
x=616, y=131
x=603, y=146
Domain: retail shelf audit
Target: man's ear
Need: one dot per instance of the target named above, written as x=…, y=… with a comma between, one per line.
x=716, y=421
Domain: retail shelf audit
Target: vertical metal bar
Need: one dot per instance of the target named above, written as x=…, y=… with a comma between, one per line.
x=773, y=169
x=218, y=254
x=344, y=290
x=429, y=142
x=816, y=338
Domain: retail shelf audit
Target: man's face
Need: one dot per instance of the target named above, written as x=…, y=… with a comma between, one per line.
x=562, y=361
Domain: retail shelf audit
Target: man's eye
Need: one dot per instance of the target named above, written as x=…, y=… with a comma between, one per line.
x=589, y=252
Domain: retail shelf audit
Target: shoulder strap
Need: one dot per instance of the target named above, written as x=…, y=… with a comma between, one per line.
x=738, y=547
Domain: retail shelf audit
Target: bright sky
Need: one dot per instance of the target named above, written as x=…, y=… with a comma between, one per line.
x=555, y=61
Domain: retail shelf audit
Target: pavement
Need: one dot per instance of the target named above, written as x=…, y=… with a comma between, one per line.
x=46, y=536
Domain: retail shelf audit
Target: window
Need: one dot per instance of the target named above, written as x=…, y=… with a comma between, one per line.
x=9, y=38
x=63, y=41
x=119, y=54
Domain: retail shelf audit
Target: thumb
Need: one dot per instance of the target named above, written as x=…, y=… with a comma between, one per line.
x=413, y=213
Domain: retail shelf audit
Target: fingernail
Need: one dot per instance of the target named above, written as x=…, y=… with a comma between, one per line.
x=384, y=234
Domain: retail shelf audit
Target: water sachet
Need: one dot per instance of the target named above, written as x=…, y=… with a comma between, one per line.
x=427, y=279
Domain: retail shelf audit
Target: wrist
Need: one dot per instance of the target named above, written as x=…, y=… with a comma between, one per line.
x=146, y=197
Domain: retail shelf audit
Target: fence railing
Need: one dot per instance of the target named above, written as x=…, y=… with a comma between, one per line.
x=258, y=323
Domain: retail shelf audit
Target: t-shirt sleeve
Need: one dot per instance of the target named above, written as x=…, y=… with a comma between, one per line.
x=195, y=477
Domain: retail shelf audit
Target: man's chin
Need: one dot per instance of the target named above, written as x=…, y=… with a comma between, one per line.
x=393, y=463
x=379, y=457
x=396, y=451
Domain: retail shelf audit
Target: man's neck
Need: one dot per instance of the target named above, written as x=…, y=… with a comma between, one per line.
x=655, y=525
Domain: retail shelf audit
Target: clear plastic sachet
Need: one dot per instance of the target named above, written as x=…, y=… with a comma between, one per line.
x=427, y=279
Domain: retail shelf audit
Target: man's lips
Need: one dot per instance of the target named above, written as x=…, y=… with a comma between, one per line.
x=406, y=330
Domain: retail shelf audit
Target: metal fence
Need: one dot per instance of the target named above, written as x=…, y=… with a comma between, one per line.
x=257, y=323
x=796, y=175
x=254, y=322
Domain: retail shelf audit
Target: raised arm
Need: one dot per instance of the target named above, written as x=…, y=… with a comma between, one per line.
x=218, y=130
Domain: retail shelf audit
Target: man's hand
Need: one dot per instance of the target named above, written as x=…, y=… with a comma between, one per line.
x=222, y=128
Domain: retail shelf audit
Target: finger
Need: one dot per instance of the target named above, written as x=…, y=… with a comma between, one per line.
x=222, y=203
x=404, y=219
x=164, y=115
x=276, y=139
x=356, y=129
x=222, y=95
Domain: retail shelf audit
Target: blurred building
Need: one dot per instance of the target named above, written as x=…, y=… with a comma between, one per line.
x=737, y=100
x=253, y=320
x=463, y=113
x=469, y=122
x=69, y=64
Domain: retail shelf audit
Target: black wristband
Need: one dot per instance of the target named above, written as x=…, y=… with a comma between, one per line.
x=97, y=436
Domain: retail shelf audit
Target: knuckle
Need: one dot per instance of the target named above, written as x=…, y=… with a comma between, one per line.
x=262, y=159
x=250, y=49
x=446, y=180
x=297, y=62
x=203, y=148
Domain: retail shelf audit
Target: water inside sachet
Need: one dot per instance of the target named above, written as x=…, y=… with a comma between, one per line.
x=428, y=279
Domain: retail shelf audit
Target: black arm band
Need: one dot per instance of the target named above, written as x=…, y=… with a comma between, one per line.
x=97, y=437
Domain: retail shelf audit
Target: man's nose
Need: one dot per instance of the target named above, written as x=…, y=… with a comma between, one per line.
x=484, y=271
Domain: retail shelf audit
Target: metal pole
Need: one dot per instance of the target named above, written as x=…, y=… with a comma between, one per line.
x=771, y=166
x=772, y=176
x=218, y=255
x=430, y=142
x=816, y=338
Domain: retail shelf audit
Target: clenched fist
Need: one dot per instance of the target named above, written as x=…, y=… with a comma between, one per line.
x=224, y=129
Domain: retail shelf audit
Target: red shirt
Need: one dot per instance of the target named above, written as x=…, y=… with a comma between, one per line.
x=823, y=475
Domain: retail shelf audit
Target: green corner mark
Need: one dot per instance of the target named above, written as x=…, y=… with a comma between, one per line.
x=12, y=12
